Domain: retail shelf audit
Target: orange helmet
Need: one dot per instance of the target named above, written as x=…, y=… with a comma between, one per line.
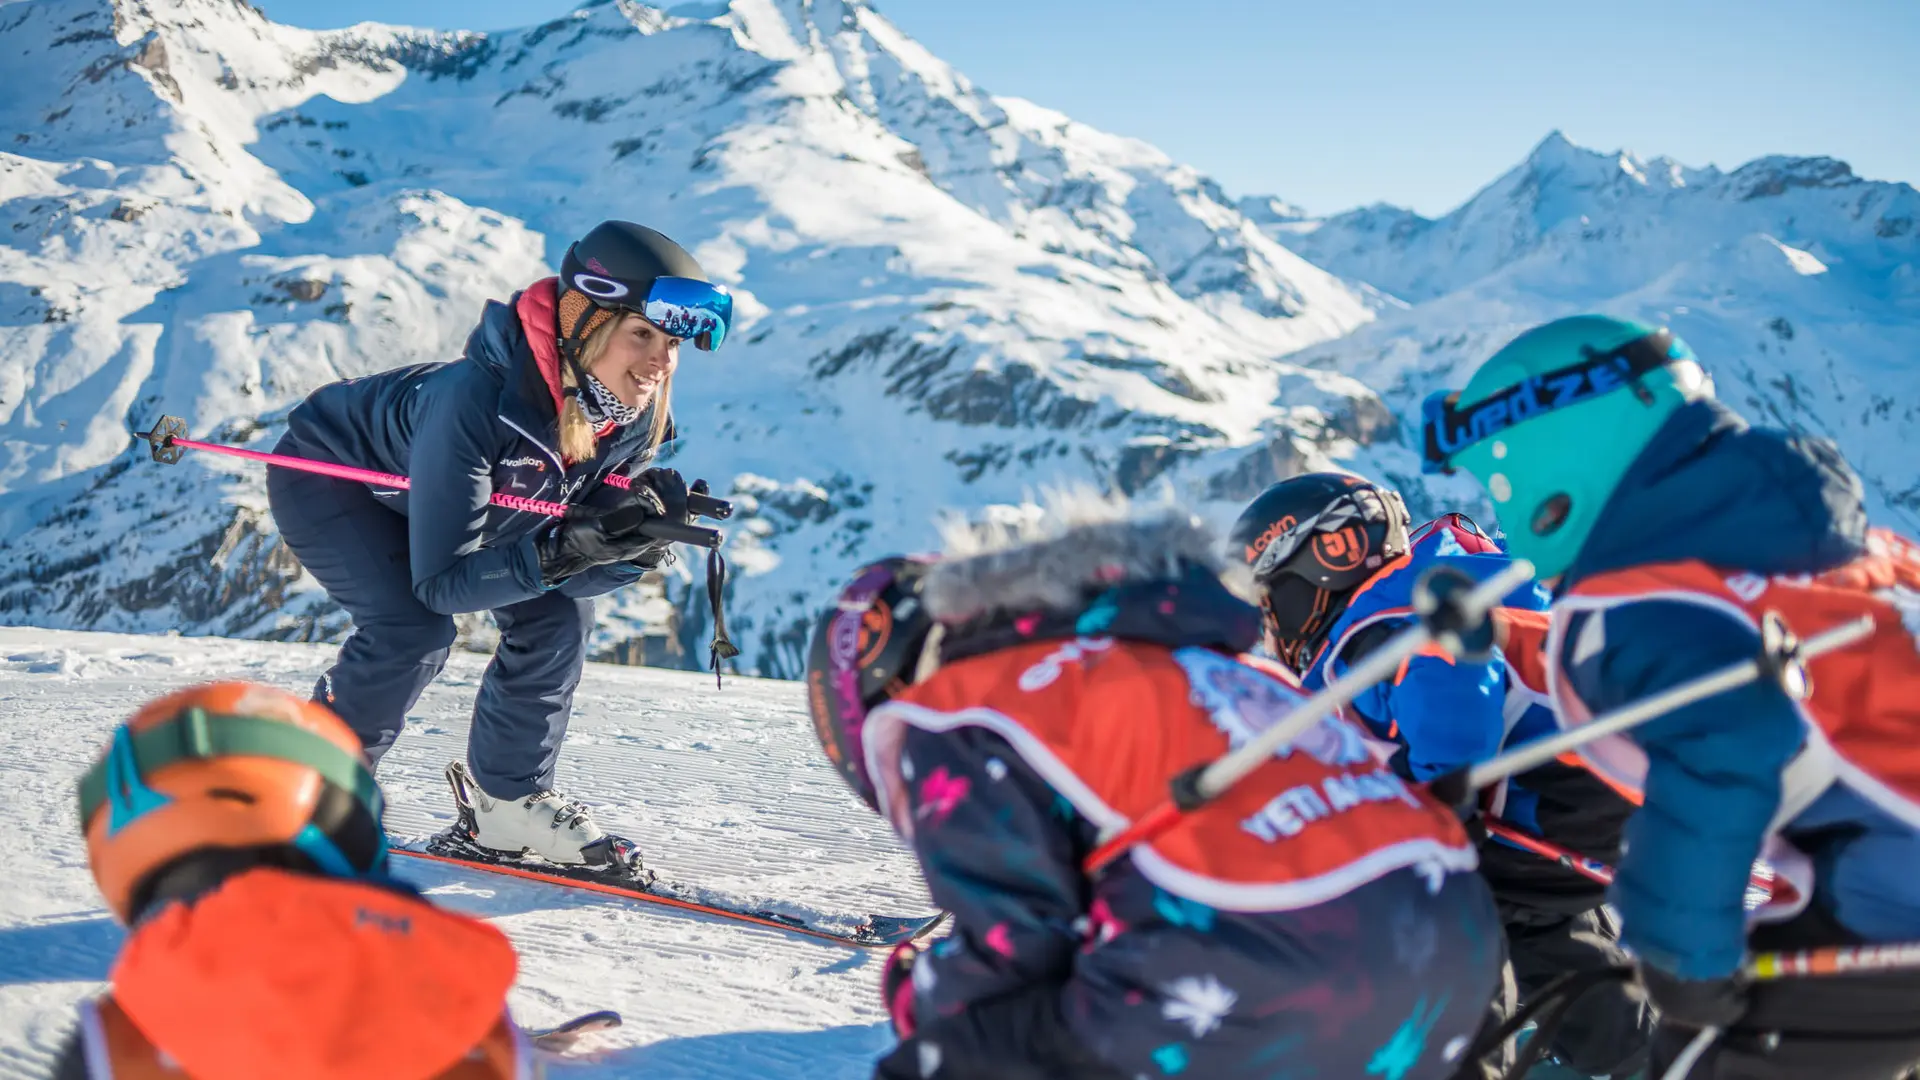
x=228, y=765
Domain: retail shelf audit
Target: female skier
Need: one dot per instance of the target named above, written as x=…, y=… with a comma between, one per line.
x=560, y=387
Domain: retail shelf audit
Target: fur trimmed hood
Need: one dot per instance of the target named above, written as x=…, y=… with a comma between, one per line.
x=1076, y=544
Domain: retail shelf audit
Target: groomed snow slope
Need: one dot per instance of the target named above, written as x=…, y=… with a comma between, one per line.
x=724, y=787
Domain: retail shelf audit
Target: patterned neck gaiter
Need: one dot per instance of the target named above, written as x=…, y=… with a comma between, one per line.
x=600, y=404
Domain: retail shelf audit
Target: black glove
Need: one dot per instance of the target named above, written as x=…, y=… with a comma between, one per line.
x=583, y=540
x=1695, y=1003
x=1018, y=1035
x=671, y=489
x=654, y=495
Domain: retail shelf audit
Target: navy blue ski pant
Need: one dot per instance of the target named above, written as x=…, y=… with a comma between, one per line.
x=357, y=549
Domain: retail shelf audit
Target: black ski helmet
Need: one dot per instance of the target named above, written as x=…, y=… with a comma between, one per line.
x=1311, y=540
x=612, y=269
x=864, y=649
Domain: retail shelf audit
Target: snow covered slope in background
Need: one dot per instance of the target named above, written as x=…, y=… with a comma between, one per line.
x=1797, y=283
x=727, y=788
x=947, y=298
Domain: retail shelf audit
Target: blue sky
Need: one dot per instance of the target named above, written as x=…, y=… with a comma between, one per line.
x=1346, y=102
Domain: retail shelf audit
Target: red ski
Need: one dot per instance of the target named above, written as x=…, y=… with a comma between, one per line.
x=618, y=878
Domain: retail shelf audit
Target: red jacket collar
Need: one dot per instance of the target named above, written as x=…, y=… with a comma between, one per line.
x=540, y=321
x=538, y=308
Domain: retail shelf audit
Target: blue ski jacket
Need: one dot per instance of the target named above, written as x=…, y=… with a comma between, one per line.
x=1446, y=713
x=1713, y=489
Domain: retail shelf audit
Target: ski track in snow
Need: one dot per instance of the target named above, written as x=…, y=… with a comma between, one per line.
x=722, y=788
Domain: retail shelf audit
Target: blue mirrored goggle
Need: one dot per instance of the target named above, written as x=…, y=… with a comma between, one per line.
x=698, y=311
x=1448, y=428
x=688, y=308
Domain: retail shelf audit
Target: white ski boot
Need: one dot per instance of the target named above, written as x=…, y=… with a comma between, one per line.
x=557, y=829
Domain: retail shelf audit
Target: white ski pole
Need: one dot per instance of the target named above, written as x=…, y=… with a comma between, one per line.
x=1781, y=657
x=1453, y=613
x=1690, y=1057
x=1444, y=618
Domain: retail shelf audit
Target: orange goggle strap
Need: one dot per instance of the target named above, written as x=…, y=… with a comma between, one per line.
x=196, y=735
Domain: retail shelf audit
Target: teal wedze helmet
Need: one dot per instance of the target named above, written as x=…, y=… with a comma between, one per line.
x=1550, y=424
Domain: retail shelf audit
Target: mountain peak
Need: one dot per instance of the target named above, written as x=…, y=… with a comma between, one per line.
x=1264, y=210
x=1778, y=174
x=1554, y=147
x=1556, y=155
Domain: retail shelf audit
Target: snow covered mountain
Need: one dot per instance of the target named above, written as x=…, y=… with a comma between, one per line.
x=1797, y=283
x=946, y=297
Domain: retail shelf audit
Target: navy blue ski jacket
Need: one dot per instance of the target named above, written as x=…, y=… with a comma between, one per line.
x=461, y=431
x=1145, y=982
x=1711, y=488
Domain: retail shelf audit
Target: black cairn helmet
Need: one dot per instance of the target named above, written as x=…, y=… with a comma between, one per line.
x=865, y=649
x=620, y=266
x=1311, y=540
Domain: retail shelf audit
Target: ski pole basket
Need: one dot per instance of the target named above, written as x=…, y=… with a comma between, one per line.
x=160, y=440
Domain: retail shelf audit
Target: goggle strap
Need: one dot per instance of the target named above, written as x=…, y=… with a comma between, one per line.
x=1399, y=524
x=1569, y=385
x=196, y=735
x=326, y=855
x=128, y=797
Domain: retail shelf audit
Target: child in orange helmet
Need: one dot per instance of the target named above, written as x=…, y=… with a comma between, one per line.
x=235, y=830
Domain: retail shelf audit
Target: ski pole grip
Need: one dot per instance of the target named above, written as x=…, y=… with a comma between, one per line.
x=704, y=505
x=680, y=533
x=1456, y=611
x=1783, y=657
x=1186, y=792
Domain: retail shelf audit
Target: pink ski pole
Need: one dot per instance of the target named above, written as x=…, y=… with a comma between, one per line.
x=169, y=437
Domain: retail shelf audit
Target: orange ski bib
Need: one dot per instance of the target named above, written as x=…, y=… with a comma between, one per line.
x=1863, y=716
x=304, y=978
x=1108, y=723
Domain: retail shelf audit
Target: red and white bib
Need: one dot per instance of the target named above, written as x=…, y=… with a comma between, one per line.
x=1108, y=724
x=1863, y=716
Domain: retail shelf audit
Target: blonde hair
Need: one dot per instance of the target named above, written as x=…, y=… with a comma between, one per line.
x=577, y=440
